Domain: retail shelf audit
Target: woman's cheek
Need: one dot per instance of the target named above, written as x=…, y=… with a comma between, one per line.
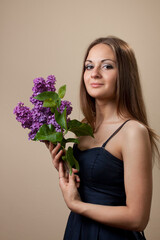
x=86, y=81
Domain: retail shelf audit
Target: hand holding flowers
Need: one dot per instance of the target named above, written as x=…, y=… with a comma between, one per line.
x=56, y=159
x=69, y=188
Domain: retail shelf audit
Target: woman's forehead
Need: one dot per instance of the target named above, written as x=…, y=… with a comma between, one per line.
x=99, y=52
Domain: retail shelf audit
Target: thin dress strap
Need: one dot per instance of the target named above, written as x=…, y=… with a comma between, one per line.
x=104, y=144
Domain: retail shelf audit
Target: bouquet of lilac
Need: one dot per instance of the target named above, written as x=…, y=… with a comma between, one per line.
x=49, y=119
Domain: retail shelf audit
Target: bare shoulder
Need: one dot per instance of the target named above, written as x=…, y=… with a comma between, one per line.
x=135, y=129
x=136, y=141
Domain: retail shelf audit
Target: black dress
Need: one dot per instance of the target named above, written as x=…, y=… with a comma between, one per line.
x=102, y=182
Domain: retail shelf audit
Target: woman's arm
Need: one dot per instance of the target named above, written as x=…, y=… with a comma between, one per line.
x=136, y=152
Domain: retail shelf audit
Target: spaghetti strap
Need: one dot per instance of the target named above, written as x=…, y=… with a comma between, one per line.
x=104, y=144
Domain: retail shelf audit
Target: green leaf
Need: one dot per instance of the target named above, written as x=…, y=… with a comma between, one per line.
x=72, y=162
x=52, y=110
x=63, y=143
x=80, y=129
x=58, y=102
x=47, y=95
x=62, y=91
x=64, y=158
x=49, y=103
x=44, y=130
x=74, y=140
x=76, y=164
x=61, y=118
x=74, y=123
x=47, y=132
x=51, y=127
x=50, y=99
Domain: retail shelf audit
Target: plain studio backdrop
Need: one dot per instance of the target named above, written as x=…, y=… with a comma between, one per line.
x=43, y=37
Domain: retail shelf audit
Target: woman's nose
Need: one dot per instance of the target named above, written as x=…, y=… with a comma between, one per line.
x=95, y=73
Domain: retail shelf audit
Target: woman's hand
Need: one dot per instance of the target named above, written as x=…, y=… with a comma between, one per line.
x=69, y=188
x=56, y=155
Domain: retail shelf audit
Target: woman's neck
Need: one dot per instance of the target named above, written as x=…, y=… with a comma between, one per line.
x=106, y=113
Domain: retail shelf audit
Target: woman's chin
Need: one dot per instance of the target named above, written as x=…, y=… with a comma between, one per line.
x=102, y=97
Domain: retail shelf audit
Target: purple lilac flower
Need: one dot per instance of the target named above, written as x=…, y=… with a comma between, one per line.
x=66, y=104
x=38, y=115
x=40, y=85
x=33, y=131
x=34, y=101
x=23, y=115
x=51, y=120
x=50, y=83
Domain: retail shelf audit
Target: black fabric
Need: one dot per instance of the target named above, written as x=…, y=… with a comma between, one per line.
x=102, y=182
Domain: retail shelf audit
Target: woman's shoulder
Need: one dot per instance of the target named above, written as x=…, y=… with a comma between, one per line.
x=135, y=130
x=136, y=144
x=133, y=126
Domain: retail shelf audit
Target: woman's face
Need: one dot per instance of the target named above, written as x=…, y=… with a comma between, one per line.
x=101, y=72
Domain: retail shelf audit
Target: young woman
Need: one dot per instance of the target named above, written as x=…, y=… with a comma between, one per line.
x=110, y=197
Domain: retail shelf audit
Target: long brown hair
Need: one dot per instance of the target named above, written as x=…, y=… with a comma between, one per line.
x=129, y=92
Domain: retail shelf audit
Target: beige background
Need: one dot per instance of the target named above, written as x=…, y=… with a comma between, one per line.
x=43, y=37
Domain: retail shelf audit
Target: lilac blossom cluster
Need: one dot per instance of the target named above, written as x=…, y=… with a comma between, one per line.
x=34, y=118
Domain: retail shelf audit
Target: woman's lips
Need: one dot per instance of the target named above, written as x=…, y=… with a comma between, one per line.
x=96, y=85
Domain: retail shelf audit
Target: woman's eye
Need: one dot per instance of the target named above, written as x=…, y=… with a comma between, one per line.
x=107, y=66
x=89, y=66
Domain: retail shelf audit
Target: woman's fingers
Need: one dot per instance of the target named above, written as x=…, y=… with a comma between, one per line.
x=55, y=154
x=77, y=178
x=61, y=171
x=73, y=180
x=54, y=149
x=74, y=170
x=56, y=159
x=63, y=181
x=58, y=155
x=51, y=146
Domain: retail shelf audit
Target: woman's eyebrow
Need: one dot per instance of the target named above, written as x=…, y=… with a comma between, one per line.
x=88, y=61
x=107, y=59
